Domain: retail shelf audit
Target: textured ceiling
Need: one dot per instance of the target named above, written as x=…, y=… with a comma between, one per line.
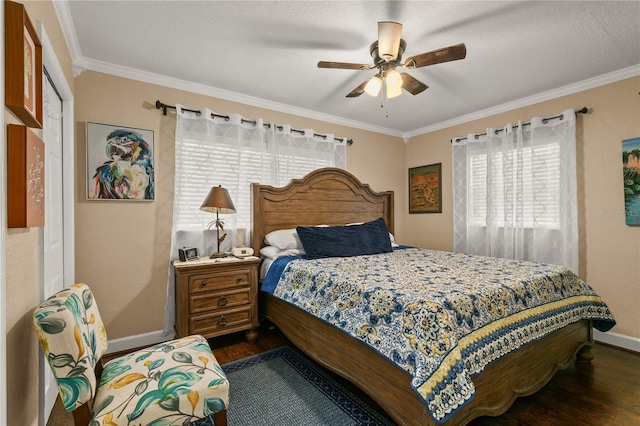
x=266, y=53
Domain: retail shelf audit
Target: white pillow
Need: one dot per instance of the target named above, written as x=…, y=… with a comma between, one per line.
x=273, y=252
x=283, y=239
x=393, y=240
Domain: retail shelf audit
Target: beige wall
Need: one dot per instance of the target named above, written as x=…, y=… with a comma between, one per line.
x=23, y=278
x=23, y=259
x=609, y=249
x=122, y=248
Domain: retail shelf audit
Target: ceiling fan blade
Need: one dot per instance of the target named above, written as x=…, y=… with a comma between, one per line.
x=344, y=65
x=446, y=54
x=412, y=85
x=358, y=90
x=389, y=34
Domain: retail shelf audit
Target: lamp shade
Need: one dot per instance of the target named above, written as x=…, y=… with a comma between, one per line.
x=218, y=201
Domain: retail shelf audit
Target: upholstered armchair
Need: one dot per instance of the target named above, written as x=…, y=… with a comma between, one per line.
x=176, y=382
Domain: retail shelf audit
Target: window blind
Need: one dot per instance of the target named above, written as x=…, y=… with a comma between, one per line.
x=199, y=170
x=260, y=155
x=525, y=186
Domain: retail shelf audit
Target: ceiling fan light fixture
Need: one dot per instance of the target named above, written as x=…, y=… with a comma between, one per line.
x=389, y=34
x=373, y=86
x=393, y=80
x=393, y=92
x=387, y=54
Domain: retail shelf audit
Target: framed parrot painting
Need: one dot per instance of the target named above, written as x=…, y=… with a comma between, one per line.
x=119, y=163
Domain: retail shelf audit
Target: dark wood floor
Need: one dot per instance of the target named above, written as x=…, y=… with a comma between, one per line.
x=603, y=392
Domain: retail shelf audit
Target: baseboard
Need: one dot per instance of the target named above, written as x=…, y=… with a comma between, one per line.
x=137, y=341
x=619, y=340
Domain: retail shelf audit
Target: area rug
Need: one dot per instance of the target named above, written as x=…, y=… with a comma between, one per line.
x=284, y=387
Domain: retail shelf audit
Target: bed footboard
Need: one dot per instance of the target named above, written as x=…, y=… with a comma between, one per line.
x=519, y=374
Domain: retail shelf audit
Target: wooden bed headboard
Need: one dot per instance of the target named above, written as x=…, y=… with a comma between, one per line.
x=328, y=196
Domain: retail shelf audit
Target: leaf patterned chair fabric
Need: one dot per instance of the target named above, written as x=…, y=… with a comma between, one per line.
x=176, y=382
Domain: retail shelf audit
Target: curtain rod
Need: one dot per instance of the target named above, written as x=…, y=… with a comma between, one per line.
x=582, y=110
x=163, y=107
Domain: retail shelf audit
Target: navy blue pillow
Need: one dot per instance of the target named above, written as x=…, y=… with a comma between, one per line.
x=343, y=241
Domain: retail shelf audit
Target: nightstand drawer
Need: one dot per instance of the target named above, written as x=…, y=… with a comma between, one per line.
x=220, y=323
x=217, y=296
x=211, y=281
x=216, y=300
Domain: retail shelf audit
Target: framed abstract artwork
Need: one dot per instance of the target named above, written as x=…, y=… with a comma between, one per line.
x=631, y=179
x=25, y=178
x=425, y=189
x=119, y=163
x=23, y=66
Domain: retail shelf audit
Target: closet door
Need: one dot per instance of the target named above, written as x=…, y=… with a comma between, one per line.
x=53, y=230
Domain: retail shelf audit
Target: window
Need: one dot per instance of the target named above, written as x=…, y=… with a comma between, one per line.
x=515, y=192
x=525, y=186
x=235, y=153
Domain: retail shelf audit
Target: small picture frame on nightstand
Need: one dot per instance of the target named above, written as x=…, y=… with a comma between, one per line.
x=188, y=253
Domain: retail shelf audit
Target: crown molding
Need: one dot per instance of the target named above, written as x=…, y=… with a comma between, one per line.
x=69, y=31
x=570, y=89
x=148, y=77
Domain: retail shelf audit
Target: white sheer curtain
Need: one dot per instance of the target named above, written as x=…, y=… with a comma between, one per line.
x=298, y=152
x=515, y=192
x=234, y=152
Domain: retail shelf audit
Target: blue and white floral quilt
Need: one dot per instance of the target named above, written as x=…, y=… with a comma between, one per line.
x=440, y=316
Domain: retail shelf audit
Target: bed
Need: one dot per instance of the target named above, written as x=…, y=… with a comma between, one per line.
x=334, y=197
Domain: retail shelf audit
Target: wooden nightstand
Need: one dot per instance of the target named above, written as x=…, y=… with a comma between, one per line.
x=217, y=296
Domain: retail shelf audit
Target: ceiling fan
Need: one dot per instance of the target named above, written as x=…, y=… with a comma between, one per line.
x=387, y=56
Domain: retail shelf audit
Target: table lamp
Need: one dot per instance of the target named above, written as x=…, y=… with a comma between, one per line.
x=218, y=201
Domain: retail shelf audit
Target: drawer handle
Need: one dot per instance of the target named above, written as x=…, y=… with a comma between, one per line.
x=239, y=279
x=222, y=321
x=204, y=284
x=222, y=301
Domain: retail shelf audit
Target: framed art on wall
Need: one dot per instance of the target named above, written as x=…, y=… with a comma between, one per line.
x=425, y=189
x=119, y=163
x=23, y=66
x=25, y=178
x=631, y=179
